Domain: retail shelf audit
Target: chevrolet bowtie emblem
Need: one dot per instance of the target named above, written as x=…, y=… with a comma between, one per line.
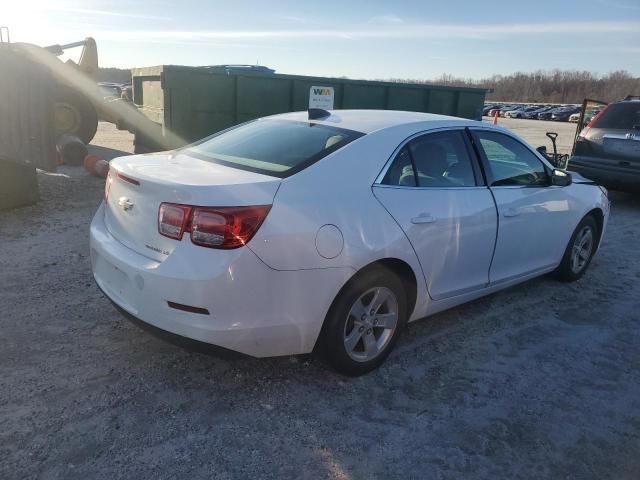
x=125, y=203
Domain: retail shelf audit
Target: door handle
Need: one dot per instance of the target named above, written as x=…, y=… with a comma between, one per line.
x=424, y=218
x=511, y=212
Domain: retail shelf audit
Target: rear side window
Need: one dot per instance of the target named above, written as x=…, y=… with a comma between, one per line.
x=442, y=160
x=273, y=147
x=621, y=116
x=433, y=160
x=401, y=171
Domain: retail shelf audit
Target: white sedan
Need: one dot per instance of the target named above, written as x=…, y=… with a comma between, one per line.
x=286, y=234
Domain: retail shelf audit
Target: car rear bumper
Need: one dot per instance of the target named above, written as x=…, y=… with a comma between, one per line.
x=615, y=178
x=250, y=307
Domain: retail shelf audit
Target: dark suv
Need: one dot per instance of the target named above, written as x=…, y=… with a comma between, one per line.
x=607, y=150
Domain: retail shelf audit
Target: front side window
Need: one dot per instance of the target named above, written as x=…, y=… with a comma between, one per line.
x=433, y=160
x=510, y=162
x=273, y=147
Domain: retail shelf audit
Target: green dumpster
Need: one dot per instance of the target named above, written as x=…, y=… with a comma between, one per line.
x=190, y=103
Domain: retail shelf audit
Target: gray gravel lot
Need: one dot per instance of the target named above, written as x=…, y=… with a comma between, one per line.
x=539, y=381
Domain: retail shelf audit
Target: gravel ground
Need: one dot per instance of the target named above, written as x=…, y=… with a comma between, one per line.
x=534, y=132
x=538, y=381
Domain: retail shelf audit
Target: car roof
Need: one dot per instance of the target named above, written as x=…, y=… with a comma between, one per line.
x=367, y=121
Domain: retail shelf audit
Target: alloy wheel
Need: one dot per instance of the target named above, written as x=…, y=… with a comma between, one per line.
x=370, y=324
x=582, y=249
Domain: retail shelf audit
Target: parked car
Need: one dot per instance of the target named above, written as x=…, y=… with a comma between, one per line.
x=504, y=110
x=607, y=150
x=286, y=234
x=549, y=113
x=533, y=114
x=562, y=115
x=588, y=116
x=500, y=109
x=520, y=112
x=487, y=108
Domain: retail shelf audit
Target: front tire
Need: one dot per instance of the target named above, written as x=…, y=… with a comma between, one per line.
x=580, y=251
x=364, y=322
x=74, y=114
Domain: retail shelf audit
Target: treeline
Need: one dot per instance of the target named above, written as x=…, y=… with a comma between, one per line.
x=555, y=86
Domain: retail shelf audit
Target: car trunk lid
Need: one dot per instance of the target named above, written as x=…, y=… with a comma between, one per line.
x=623, y=145
x=137, y=185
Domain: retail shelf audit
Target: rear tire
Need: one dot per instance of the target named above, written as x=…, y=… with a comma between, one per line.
x=74, y=114
x=364, y=322
x=580, y=250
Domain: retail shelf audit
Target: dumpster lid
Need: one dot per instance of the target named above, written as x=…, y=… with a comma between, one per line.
x=237, y=68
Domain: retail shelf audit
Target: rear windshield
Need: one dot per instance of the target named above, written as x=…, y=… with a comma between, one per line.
x=274, y=147
x=622, y=116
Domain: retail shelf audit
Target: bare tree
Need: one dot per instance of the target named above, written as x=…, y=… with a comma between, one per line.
x=554, y=86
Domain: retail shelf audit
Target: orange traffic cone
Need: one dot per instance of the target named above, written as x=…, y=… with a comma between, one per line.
x=495, y=117
x=96, y=166
x=90, y=163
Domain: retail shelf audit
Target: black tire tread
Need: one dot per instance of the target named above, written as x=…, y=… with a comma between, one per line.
x=331, y=337
x=564, y=272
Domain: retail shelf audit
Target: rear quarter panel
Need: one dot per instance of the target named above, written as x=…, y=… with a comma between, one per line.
x=338, y=191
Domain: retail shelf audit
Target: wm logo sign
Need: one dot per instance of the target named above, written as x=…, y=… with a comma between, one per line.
x=321, y=97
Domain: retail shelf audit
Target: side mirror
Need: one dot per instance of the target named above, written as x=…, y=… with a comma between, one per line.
x=542, y=150
x=560, y=178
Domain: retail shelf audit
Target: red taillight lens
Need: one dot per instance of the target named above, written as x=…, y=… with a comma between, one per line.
x=213, y=227
x=172, y=220
x=226, y=227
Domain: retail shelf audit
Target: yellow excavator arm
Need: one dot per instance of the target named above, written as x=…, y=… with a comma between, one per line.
x=88, y=62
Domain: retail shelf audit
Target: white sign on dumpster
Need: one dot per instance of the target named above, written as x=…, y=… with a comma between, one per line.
x=321, y=97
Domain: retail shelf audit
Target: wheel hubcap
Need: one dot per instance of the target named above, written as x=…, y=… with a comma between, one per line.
x=66, y=118
x=582, y=248
x=370, y=324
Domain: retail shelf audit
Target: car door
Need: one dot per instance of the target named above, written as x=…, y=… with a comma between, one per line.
x=535, y=219
x=434, y=190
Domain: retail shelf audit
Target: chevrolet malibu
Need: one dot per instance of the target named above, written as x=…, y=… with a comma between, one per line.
x=330, y=232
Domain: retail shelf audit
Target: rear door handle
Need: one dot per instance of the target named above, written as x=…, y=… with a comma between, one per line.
x=511, y=212
x=424, y=218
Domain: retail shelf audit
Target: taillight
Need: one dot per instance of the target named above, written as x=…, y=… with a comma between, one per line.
x=213, y=227
x=172, y=220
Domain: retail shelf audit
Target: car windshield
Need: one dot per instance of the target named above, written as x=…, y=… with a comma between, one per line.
x=273, y=147
x=622, y=116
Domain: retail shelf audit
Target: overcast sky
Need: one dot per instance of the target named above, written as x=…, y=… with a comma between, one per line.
x=354, y=38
